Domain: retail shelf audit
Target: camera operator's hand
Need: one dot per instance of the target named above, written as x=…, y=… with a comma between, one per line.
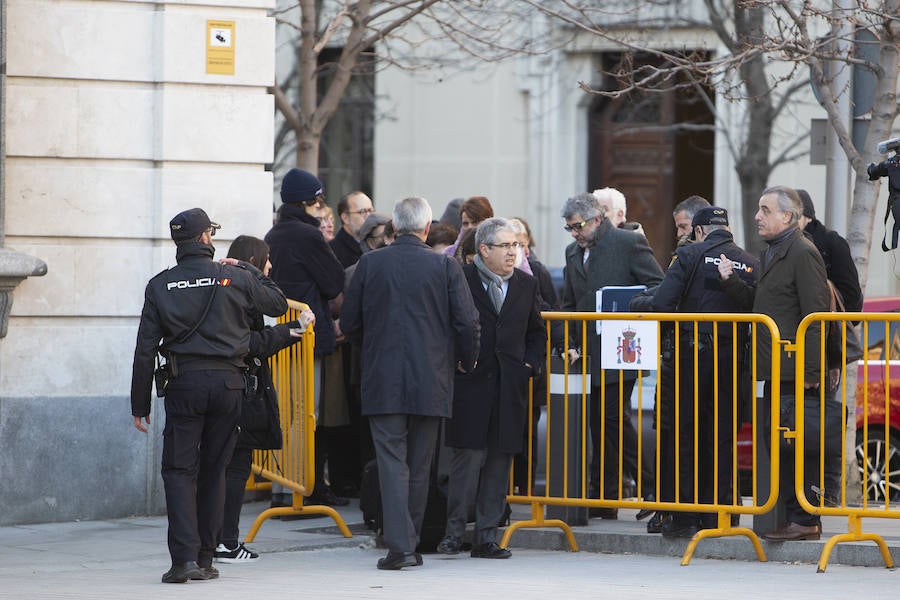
x=870, y=169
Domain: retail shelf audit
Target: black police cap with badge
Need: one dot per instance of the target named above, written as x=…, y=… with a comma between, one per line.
x=710, y=215
x=188, y=225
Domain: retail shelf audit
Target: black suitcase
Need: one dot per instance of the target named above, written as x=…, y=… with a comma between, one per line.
x=370, y=497
x=434, y=521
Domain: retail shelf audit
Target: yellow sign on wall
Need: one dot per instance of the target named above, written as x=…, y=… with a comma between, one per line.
x=220, y=47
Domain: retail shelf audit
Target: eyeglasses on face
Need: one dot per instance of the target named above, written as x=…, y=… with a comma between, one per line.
x=363, y=211
x=576, y=226
x=505, y=246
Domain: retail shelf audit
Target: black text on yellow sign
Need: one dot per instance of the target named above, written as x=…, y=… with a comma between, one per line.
x=220, y=47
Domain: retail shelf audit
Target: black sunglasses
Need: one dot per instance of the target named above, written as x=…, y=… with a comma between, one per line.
x=577, y=226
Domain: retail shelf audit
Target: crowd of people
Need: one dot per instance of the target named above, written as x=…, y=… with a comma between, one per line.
x=427, y=334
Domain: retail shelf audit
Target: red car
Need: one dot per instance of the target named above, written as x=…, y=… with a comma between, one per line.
x=877, y=449
x=880, y=372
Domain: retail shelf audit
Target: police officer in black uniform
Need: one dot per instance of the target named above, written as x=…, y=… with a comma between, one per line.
x=691, y=284
x=201, y=310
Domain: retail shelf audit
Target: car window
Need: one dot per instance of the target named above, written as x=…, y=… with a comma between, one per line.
x=875, y=341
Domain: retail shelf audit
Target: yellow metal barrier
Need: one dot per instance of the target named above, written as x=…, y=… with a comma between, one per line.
x=574, y=433
x=294, y=465
x=879, y=490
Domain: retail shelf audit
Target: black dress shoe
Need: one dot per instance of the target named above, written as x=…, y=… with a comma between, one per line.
x=489, y=550
x=643, y=514
x=181, y=572
x=211, y=572
x=656, y=522
x=395, y=561
x=679, y=527
x=418, y=559
x=327, y=497
x=449, y=545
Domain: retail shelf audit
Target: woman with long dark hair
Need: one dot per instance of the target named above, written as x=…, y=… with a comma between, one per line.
x=260, y=423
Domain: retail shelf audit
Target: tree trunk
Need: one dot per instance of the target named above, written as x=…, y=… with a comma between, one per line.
x=866, y=193
x=307, y=136
x=753, y=168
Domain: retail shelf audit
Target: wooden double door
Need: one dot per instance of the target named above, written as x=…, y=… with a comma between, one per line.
x=657, y=149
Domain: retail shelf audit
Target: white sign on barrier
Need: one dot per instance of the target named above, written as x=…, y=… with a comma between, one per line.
x=629, y=346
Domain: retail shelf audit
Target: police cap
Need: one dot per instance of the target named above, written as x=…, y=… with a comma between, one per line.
x=711, y=215
x=188, y=225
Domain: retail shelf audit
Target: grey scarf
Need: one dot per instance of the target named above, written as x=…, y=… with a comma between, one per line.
x=493, y=281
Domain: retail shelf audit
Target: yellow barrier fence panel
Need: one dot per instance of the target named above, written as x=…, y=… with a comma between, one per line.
x=593, y=456
x=293, y=466
x=825, y=481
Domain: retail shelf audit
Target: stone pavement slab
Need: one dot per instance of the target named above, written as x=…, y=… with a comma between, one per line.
x=125, y=558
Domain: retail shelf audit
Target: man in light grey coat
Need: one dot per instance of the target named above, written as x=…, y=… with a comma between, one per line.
x=414, y=313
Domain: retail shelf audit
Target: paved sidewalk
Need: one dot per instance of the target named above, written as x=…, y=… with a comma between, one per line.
x=126, y=558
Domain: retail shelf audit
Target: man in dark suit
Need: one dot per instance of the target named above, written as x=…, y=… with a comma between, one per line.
x=604, y=255
x=490, y=404
x=353, y=208
x=413, y=311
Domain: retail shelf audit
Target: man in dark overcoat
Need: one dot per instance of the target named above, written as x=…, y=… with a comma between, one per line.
x=603, y=255
x=413, y=311
x=841, y=270
x=490, y=404
x=305, y=267
x=791, y=284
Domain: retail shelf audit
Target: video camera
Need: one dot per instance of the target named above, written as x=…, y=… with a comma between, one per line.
x=890, y=168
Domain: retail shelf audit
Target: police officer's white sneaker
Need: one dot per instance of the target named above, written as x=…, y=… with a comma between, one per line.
x=240, y=554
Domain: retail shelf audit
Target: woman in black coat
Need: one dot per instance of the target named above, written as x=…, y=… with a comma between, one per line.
x=260, y=426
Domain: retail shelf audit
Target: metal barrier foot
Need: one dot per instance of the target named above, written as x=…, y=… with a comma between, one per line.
x=727, y=531
x=301, y=510
x=854, y=537
x=537, y=520
x=854, y=534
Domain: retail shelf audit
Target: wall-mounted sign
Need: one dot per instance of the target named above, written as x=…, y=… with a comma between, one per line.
x=220, y=47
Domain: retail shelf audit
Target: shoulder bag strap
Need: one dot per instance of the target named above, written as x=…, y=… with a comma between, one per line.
x=199, y=322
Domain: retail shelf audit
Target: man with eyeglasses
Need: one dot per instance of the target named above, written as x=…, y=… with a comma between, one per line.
x=201, y=312
x=341, y=439
x=352, y=208
x=490, y=402
x=603, y=255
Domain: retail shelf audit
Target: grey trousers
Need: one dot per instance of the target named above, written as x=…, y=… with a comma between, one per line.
x=404, y=450
x=482, y=477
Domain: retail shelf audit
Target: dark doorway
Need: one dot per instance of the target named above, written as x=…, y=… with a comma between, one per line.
x=657, y=148
x=347, y=145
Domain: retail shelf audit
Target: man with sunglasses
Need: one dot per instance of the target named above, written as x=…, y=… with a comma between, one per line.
x=603, y=255
x=201, y=312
